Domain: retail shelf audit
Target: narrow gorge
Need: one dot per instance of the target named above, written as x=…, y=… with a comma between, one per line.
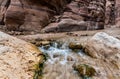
x=58, y=15
x=59, y=39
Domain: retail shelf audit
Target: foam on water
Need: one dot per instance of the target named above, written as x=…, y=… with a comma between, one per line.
x=59, y=52
x=60, y=60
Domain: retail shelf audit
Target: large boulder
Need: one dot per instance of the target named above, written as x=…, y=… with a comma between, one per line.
x=66, y=25
x=101, y=45
x=17, y=58
x=105, y=49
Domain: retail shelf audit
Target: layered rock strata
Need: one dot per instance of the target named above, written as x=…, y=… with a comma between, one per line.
x=25, y=15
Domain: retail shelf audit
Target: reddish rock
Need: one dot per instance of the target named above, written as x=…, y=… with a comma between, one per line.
x=34, y=15
x=3, y=8
x=25, y=15
x=30, y=15
x=80, y=15
x=73, y=16
x=66, y=25
x=110, y=12
x=117, y=13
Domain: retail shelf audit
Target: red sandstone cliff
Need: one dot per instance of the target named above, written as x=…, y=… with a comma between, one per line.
x=65, y=15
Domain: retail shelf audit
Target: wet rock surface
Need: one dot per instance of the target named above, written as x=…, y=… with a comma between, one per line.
x=85, y=70
x=74, y=45
x=59, y=63
x=63, y=62
x=60, y=59
x=17, y=58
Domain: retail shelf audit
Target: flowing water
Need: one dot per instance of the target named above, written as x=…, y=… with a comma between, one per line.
x=60, y=60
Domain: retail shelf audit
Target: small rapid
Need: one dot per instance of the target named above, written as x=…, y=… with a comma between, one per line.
x=60, y=60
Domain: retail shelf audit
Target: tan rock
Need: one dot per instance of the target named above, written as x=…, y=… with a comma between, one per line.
x=17, y=58
x=101, y=45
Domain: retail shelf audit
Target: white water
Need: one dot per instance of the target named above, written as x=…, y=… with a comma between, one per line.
x=60, y=61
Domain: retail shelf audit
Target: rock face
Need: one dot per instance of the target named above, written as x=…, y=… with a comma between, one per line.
x=24, y=15
x=110, y=12
x=29, y=15
x=91, y=11
x=102, y=45
x=4, y=4
x=117, y=12
x=81, y=15
x=17, y=58
x=66, y=25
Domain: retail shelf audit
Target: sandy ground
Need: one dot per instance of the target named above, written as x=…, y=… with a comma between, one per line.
x=66, y=36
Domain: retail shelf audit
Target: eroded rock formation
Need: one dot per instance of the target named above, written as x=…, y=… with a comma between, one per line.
x=29, y=15
x=34, y=15
x=85, y=15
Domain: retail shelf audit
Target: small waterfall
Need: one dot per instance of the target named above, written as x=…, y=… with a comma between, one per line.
x=56, y=53
x=60, y=60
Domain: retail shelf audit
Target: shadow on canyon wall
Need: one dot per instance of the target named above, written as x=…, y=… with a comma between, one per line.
x=58, y=15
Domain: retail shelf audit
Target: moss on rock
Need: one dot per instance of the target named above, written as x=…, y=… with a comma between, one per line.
x=85, y=70
x=74, y=45
x=39, y=68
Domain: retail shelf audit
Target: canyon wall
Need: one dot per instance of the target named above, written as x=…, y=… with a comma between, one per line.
x=34, y=15
x=31, y=15
x=117, y=6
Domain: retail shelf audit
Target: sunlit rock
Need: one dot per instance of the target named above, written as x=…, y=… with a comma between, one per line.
x=17, y=58
x=102, y=45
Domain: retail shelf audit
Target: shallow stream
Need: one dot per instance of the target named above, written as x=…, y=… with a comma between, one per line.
x=60, y=61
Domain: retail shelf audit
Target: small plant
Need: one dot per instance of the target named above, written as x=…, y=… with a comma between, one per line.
x=39, y=68
x=38, y=71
